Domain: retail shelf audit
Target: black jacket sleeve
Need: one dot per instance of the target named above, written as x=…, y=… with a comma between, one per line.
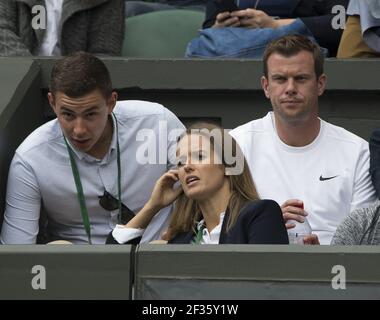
x=374, y=167
x=111, y=240
x=263, y=223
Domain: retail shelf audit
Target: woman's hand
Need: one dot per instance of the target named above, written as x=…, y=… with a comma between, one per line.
x=225, y=19
x=164, y=192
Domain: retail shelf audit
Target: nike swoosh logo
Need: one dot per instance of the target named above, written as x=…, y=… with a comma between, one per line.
x=324, y=179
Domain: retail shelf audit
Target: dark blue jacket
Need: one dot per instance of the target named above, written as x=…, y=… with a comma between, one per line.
x=259, y=222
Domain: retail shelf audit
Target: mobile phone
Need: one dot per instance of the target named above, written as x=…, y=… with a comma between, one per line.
x=227, y=5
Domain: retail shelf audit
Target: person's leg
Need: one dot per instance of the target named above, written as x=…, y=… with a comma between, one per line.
x=352, y=44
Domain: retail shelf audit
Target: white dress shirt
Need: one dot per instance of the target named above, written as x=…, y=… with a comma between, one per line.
x=50, y=43
x=41, y=175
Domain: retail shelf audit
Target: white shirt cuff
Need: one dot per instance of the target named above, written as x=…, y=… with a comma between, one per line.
x=122, y=234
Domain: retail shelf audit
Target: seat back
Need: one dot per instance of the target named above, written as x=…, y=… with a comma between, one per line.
x=161, y=34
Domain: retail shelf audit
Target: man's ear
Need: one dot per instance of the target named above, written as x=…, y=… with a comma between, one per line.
x=51, y=100
x=322, y=84
x=112, y=101
x=264, y=85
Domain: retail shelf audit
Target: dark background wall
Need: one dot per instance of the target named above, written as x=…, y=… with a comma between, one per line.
x=230, y=90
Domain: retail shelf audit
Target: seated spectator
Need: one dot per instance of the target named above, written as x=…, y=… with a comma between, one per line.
x=219, y=204
x=88, y=169
x=134, y=8
x=361, y=227
x=309, y=166
x=95, y=26
x=271, y=19
x=361, y=36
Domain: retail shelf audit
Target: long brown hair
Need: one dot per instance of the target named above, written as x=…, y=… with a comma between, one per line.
x=186, y=212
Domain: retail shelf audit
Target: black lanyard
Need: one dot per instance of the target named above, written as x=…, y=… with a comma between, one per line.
x=78, y=183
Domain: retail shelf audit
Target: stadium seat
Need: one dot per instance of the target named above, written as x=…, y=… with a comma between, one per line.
x=161, y=34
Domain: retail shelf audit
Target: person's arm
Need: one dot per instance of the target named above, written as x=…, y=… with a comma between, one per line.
x=23, y=204
x=164, y=193
x=320, y=25
x=353, y=228
x=374, y=168
x=363, y=194
x=106, y=34
x=10, y=42
x=265, y=223
x=174, y=128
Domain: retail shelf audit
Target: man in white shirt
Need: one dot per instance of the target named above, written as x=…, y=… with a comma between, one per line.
x=116, y=148
x=312, y=168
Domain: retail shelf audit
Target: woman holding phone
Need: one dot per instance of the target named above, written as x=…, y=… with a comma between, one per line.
x=216, y=200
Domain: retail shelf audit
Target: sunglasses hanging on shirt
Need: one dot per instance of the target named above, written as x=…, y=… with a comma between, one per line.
x=108, y=202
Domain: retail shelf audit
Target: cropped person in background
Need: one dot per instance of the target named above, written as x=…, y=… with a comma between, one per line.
x=361, y=227
x=216, y=201
x=361, y=36
x=61, y=28
x=264, y=21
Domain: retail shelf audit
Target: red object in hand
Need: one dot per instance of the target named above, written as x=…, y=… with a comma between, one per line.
x=300, y=205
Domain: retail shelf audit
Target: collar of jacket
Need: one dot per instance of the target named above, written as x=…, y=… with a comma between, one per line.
x=223, y=233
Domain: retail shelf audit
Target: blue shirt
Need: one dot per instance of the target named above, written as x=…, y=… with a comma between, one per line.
x=40, y=174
